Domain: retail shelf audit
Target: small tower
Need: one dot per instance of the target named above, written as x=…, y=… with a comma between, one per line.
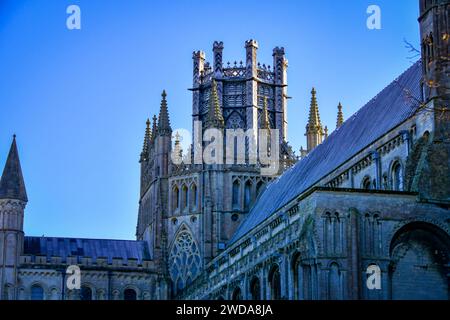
x=430, y=176
x=314, y=130
x=340, y=116
x=13, y=199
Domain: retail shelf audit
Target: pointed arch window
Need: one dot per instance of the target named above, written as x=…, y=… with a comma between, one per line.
x=247, y=195
x=175, y=198
x=236, y=194
x=194, y=195
x=184, y=197
x=184, y=259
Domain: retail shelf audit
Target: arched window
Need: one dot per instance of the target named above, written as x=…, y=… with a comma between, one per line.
x=296, y=276
x=236, y=195
x=175, y=198
x=129, y=294
x=184, y=259
x=397, y=177
x=185, y=196
x=85, y=293
x=275, y=283
x=366, y=184
x=255, y=289
x=237, y=294
x=334, y=283
x=194, y=195
x=247, y=195
x=37, y=292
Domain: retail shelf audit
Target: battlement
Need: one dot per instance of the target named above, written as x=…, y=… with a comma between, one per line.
x=204, y=71
x=99, y=262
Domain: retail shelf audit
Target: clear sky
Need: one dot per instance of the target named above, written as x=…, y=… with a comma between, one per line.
x=78, y=99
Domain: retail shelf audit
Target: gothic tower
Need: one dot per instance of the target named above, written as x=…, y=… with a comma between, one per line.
x=13, y=199
x=241, y=88
x=153, y=202
x=429, y=175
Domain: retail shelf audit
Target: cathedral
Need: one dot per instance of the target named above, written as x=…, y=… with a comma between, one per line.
x=361, y=213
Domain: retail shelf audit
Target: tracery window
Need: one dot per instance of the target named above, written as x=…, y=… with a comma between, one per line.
x=184, y=260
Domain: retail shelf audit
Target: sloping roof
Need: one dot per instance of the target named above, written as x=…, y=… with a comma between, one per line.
x=94, y=248
x=12, y=185
x=389, y=108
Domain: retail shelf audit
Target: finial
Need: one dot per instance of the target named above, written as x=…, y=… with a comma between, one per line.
x=164, y=94
x=313, y=91
x=340, y=116
x=14, y=136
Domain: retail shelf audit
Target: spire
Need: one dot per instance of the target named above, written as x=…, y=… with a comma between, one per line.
x=163, y=121
x=214, y=118
x=265, y=124
x=314, y=117
x=147, y=141
x=154, y=127
x=340, y=116
x=12, y=185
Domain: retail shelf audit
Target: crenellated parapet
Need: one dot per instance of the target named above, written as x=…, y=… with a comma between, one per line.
x=103, y=263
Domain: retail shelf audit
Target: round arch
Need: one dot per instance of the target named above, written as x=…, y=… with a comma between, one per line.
x=419, y=250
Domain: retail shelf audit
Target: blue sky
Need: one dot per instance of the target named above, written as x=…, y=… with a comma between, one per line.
x=78, y=99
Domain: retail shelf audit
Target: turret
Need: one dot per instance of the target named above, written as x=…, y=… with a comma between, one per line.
x=430, y=176
x=13, y=199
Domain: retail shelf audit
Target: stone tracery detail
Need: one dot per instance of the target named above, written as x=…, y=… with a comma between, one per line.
x=184, y=260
